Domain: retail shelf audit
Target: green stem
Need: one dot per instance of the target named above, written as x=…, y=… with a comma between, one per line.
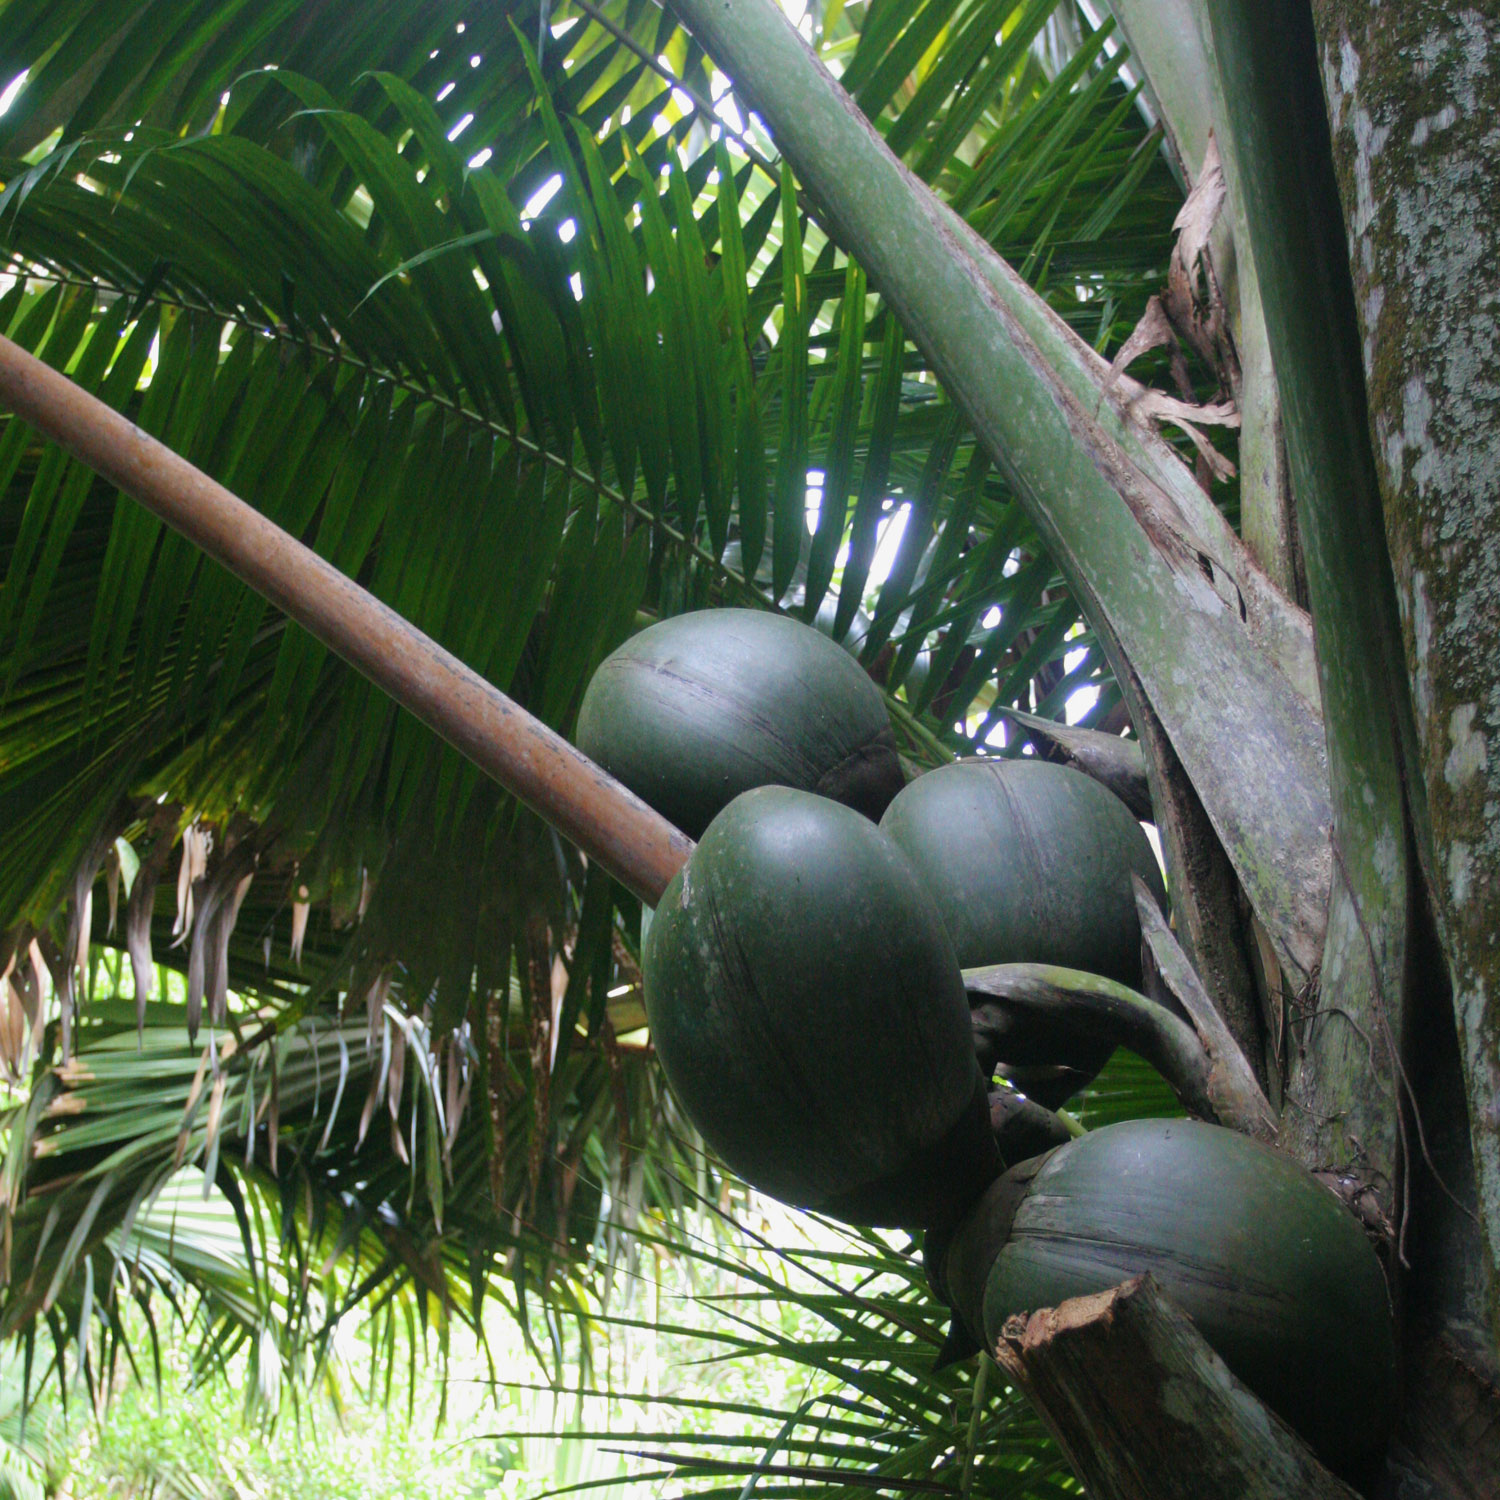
x=1021, y=1008
x=1251, y=744
x=1268, y=70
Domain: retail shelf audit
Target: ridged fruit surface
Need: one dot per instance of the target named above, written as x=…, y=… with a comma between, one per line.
x=1273, y=1270
x=1028, y=863
x=701, y=707
x=808, y=1011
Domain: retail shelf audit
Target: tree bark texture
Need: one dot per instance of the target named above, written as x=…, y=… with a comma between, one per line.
x=1413, y=96
x=1452, y=1420
x=1145, y=1410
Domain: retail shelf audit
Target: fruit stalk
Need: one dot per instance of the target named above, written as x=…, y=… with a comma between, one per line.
x=1035, y=1014
x=639, y=847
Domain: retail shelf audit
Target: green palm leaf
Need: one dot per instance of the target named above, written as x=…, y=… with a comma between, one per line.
x=538, y=350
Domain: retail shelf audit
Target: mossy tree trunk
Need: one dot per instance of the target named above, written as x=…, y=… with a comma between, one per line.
x=1413, y=95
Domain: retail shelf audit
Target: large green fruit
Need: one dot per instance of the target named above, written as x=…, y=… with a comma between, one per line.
x=699, y=708
x=809, y=1014
x=1028, y=863
x=1273, y=1270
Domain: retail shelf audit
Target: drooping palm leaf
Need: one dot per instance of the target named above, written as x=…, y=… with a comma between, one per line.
x=359, y=1172
x=316, y=252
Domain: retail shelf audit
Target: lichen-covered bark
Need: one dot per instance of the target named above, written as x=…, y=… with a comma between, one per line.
x=1413, y=93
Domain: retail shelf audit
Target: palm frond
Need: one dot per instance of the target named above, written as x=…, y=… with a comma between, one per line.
x=538, y=349
x=287, y=1177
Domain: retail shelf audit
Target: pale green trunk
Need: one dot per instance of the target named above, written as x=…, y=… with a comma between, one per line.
x=1342, y=1093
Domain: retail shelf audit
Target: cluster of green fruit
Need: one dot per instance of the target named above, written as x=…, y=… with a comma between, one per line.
x=804, y=988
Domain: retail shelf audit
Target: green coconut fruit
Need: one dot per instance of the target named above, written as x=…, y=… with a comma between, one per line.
x=1029, y=863
x=701, y=707
x=1273, y=1270
x=809, y=1014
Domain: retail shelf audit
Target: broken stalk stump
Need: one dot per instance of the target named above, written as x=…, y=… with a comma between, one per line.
x=1143, y=1409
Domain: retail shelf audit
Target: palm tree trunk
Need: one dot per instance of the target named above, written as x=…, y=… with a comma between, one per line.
x=1275, y=115
x=1413, y=93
